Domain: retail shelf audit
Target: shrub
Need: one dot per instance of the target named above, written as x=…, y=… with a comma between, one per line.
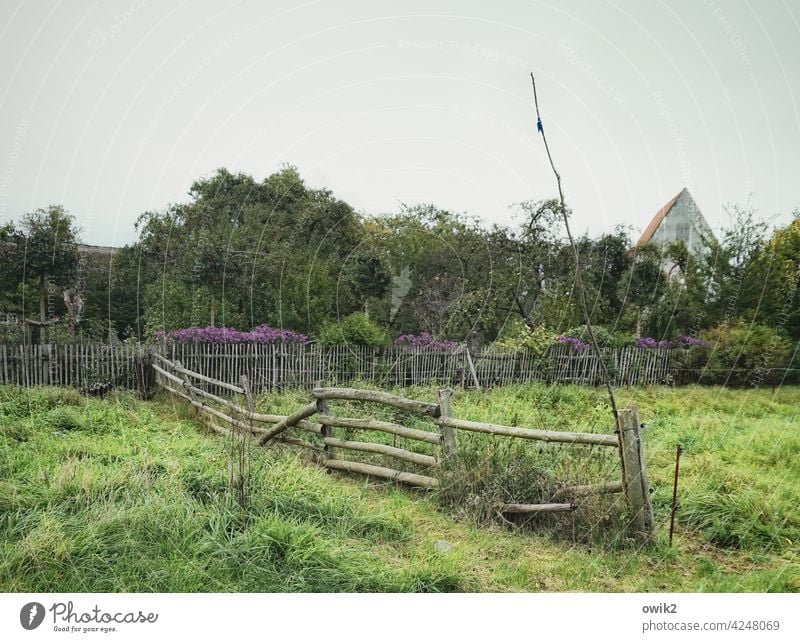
x=217, y=334
x=485, y=473
x=520, y=337
x=356, y=329
x=425, y=340
x=681, y=341
x=738, y=353
x=573, y=342
x=605, y=338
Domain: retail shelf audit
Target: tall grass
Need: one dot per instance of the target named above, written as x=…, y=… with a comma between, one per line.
x=118, y=494
x=119, y=497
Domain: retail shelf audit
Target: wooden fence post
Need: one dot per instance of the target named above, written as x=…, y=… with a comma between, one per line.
x=187, y=384
x=448, y=433
x=472, y=372
x=143, y=371
x=251, y=403
x=325, y=430
x=637, y=490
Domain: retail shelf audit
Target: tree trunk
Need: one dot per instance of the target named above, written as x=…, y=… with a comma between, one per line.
x=40, y=331
x=42, y=297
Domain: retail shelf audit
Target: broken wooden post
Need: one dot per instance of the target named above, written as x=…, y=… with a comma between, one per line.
x=448, y=433
x=637, y=490
x=472, y=372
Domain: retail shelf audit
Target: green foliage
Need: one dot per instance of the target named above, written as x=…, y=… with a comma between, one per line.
x=740, y=353
x=243, y=252
x=172, y=304
x=356, y=329
x=518, y=336
x=605, y=338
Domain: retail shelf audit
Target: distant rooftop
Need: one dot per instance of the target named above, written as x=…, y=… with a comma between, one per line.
x=679, y=220
x=96, y=249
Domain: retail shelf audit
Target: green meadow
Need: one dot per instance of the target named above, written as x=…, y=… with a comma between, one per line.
x=117, y=494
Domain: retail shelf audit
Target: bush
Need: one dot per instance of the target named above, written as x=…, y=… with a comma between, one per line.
x=520, y=337
x=221, y=334
x=425, y=340
x=356, y=329
x=605, y=338
x=738, y=353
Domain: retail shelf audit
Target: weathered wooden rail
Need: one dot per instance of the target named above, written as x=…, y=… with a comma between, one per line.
x=316, y=425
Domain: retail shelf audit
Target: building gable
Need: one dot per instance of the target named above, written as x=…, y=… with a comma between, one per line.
x=679, y=220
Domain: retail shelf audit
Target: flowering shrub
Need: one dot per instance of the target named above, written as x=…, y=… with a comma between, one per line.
x=573, y=342
x=650, y=342
x=215, y=334
x=685, y=341
x=681, y=341
x=425, y=340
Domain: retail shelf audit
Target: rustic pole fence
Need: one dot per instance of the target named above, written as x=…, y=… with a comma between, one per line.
x=177, y=379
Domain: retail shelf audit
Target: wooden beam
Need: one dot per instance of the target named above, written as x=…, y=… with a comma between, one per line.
x=291, y=420
x=216, y=382
x=168, y=375
x=380, y=471
x=537, y=508
x=294, y=441
x=589, y=489
x=381, y=426
x=376, y=396
x=382, y=449
x=589, y=438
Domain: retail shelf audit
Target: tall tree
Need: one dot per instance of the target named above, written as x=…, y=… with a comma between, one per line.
x=49, y=254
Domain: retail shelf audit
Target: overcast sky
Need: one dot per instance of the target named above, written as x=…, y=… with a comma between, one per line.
x=114, y=108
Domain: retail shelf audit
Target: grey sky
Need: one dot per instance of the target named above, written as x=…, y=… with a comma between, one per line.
x=114, y=108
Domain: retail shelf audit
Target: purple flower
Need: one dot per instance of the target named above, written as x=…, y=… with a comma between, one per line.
x=574, y=342
x=425, y=340
x=215, y=334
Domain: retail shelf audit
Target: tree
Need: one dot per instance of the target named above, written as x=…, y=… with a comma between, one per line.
x=642, y=287
x=49, y=254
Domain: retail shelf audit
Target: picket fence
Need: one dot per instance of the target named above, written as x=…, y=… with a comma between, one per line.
x=278, y=366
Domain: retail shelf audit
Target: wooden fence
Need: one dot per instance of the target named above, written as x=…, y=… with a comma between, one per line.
x=328, y=434
x=279, y=366
x=77, y=365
